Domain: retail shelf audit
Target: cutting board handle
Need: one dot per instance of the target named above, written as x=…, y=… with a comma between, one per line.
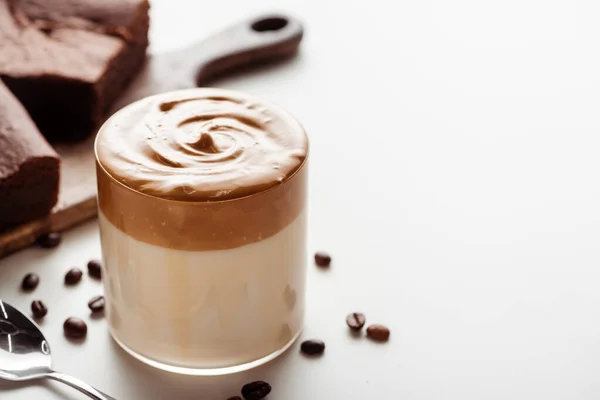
x=256, y=40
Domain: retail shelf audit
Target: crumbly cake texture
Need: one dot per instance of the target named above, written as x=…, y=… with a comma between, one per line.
x=29, y=167
x=68, y=60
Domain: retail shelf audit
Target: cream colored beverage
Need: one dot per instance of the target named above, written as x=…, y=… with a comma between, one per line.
x=202, y=210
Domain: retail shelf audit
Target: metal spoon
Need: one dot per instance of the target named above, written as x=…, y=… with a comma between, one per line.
x=25, y=353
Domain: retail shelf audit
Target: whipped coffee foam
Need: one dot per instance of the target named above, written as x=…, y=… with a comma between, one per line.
x=201, y=144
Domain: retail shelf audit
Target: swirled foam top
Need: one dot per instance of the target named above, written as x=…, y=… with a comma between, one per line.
x=201, y=144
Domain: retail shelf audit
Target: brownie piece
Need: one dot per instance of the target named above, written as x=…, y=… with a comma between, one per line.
x=29, y=167
x=68, y=60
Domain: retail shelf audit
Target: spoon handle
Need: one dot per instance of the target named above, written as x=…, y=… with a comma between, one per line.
x=79, y=385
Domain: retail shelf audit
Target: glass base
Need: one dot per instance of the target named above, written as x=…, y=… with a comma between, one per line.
x=207, y=371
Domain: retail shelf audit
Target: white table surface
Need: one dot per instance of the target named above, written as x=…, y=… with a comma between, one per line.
x=455, y=180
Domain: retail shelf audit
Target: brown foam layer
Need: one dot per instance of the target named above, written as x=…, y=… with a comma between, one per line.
x=201, y=169
x=202, y=226
x=201, y=145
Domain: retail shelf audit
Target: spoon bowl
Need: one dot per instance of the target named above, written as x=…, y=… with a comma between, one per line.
x=25, y=353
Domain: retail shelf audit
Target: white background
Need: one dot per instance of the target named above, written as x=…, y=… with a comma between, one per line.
x=455, y=173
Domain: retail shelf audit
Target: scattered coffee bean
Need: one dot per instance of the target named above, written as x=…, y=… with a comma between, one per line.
x=322, y=259
x=235, y=398
x=75, y=328
x=96, y=304
x=50, y=240
x=30, y=282
x=39, y=309
x=95, y=269
x=73, y=276
x=256, y=390
x=312, y=347
x=356, y=321
x=378, y=333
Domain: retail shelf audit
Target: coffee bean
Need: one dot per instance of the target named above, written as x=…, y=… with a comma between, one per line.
x=95, y=269
x=322, y=259
x=256, y=390
x=30, y=282
x=312, y=347
x=378, y=333
x=75, y=328
x=235, y=398
x=356, y=321
x=96, y=304
x=50, y=240
x=39, y=309
x=73, y=276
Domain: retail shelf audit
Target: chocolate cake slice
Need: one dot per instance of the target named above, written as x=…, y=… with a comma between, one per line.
x=29, y=167
x=68, y=60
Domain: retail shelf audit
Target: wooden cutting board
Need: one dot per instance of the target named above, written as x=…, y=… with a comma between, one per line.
x=254, y=41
